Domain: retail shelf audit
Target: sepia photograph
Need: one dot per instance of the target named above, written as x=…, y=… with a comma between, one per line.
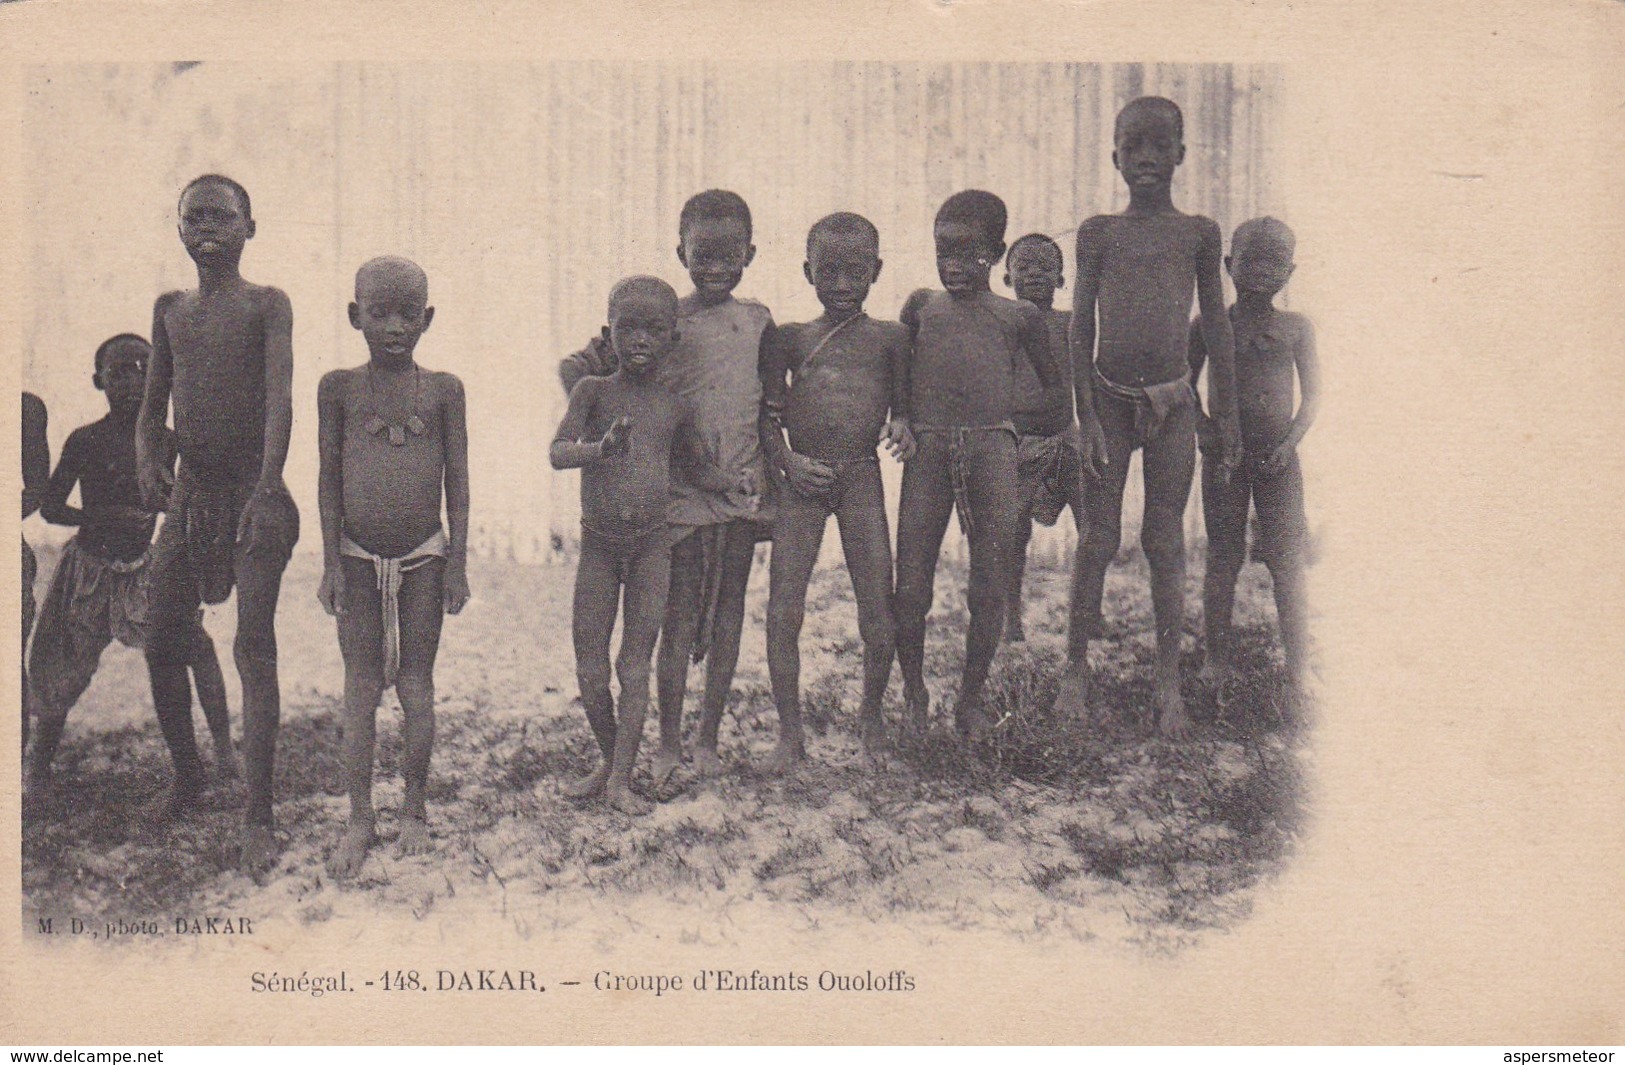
x=642, y=526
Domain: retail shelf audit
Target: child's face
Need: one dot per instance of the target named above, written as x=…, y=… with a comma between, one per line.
x=841, y=269
x=123, y=376
x=643, y=328
x=1148, y=149
x=965, y=256
x=715, y=252
x=213, y=227
x=1035, y=273
x=1260, y=268
x=392, y=312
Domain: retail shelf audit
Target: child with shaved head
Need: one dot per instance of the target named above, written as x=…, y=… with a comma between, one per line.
x=393, y=437
x=623, y=432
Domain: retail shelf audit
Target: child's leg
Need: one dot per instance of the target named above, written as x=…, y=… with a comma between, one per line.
x=685, y=604
x=422, y=611
x=592, y=622
x=211, y=693
x=798, y=531
x=172, y=607
x=67, y=649
x=361, y=634
x=1224, y=511
x=990, y=459
x=1097, y=546
x=738, y=554
x=1029, y=482
x=866, y=543
x=258, y=564
x=648, y=580
x=1281, y=514
x=922, y=519
x=30, y=572
x=1170, y=461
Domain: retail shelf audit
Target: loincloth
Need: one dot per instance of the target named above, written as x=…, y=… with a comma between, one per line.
x=626, y=544
x=959, y=462
x=211, y=512
x=1048, y=469
x=848, y=474
x=389, y=572
x=1152, y=404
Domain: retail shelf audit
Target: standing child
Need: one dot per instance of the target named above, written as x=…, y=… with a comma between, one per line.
x=392, y=434
x=99, y=591
x=622, y=432
x=1051, y=478
x=848, y=372
x=1271, y=348
x=715, y=365
x=967, y=345
x=225, y=350
x=1137, y=271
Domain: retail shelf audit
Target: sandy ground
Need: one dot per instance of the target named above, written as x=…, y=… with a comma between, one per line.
x=1056, y=832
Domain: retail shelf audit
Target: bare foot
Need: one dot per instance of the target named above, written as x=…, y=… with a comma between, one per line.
x=414, y=837
x=785, y=759
x=1171, y=719
x=874, y=738
x=1014, y=632
x=588, y=786
x=916, y=708
x=621, y=797
x=352, y=850
x=663, y=767
x=1073, y=698
x=259, y=849
x=707, y=763
x=176, y=803
x=226, y=766
x=971, y=719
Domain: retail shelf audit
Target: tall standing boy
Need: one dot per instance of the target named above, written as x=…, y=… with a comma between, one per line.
x=847, y=393
x=715, y=365
x=99, y=591
x=1046, y=453
x=224, y=350
x=1272, y=347
x=392, y=436
x=1136, y=271
x=967, y=345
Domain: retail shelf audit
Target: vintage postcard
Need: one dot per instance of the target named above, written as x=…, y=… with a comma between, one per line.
x=931, y=522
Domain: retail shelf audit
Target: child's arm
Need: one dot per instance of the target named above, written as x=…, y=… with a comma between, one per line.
x=456, y=483
x=1220, y=344
x=699, y=470
x=1036, y=346
x=154, y=478
x=807, y=476
x=53, y=503
x=1092, y=440
x=1197, y=353
x=278, y=391
x=36, y=452
x=330, y=486
x=1308, y=364
x=898, y=436
x=597, y=359
x=569, y=451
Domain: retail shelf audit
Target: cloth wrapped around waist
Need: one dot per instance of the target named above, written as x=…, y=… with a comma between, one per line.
x=389, y=572
x=1152, y=404
x=958, y=437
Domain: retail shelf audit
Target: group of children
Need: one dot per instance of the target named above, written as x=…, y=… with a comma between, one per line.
x=701, y=429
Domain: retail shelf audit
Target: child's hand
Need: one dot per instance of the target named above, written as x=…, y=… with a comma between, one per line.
x=808, y=477
x=1092, y=448
x=899, y=439
x=1229, y=450
x=599, y=355
x=456, y=593
x=746, y=491
x=1280, y=457
x=1206, y=433
x=331, y=591
x=617, y=438
x=156, y=482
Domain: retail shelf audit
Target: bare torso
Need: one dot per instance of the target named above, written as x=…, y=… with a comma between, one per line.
x=392, y=491
x=218, y=346
x=629, y=492
x=963, y=371
x=839, y=393
x=1148, y=266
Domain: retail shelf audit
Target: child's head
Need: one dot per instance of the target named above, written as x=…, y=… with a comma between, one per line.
x=713, y=233
x=1260, y=259
x=121, y=371
x=391, y=307
x=1148, y=143
x=969, y=235
x=843, y=260
x=642, y=323
x=1033, y=269
x=216, y=219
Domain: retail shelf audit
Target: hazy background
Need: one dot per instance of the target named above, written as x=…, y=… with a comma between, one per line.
x=526, y=190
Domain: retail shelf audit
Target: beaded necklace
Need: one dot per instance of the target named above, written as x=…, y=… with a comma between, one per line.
x=397, y=433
